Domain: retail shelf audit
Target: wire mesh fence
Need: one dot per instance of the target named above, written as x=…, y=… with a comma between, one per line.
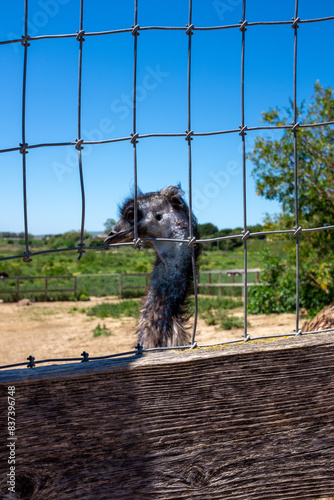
x=189, y=135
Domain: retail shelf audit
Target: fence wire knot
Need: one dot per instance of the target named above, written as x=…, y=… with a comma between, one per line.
x=134, y=138
x=297, y=230
x=194, y=345
x=26, y=256
x=85, y=356
x=80, y=36
x=24, y=41
x=139, y=348
x=189, y=28
x=243, y=25
x=245, y=235
x=188, y=135
x=136, y=242
x=23, y=148
x=79, y=144
x=294, y=126
x=243, y=130
x=192, y=242
x=247, y=338
x=81, y=250
x=295, y=22
x=135, y=30
x=298, y=332
x=31, y=363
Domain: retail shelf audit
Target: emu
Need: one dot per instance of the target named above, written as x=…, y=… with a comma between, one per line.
x=162, y=214
x=323, y=320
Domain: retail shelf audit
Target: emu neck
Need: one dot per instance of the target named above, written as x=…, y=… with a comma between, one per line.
x=162, y=320
x=172, y=275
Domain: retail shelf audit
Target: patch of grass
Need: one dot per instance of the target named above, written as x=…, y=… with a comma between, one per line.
x=126, y=308
x=101, y=330
x=206, y=304
x=214, y=311
x=75, y=309
x=229, y=322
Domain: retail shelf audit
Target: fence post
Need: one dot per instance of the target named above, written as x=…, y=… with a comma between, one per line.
x=17, y=289
x=46, y=289
x=232, y=287
x=120, y=285
x=75, y=286
x=209, y=288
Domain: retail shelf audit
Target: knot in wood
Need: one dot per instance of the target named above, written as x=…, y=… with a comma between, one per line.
x=196, y=476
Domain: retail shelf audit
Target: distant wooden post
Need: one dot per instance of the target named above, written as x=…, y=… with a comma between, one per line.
x=121, y=286
x=75, y=286
x=209, y=289
x=232, y=281
x=46, y=289
x=251, y=420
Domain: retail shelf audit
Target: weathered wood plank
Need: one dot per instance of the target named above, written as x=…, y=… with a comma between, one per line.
x=247, y=421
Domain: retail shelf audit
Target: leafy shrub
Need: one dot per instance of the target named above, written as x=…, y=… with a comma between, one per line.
x=277, y=294
x=230, y=322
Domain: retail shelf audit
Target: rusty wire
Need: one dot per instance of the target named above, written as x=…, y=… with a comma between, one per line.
x=189, y=134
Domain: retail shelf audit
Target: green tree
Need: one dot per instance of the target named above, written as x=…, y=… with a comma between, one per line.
x=273, y=171
x=109, y=225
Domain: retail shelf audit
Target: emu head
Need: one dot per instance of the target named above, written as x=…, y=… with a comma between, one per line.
x=162, y=214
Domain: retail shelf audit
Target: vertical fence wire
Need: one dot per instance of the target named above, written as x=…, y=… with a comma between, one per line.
x=23, y=145
x=244, y=184
x=189, y=132
x=79, y=141
x=295, y=158
x=134, y=134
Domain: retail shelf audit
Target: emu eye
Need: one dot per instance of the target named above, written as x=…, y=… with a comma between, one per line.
x=130, y=215
x=158, y=217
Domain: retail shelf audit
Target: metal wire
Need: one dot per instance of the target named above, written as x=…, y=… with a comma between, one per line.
x=295, y=157
x=189, y=134
x=243, y=24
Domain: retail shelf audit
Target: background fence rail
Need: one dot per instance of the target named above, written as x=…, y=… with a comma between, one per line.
x=123, y=285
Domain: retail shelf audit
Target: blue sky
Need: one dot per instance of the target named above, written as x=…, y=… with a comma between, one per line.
x=54, y=202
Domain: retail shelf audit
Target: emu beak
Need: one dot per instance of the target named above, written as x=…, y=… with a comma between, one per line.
x=119, y=237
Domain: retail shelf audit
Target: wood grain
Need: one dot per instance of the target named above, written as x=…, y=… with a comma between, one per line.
x=247, y=421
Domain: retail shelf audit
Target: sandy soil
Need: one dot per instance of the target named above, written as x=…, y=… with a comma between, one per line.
x=63, y=329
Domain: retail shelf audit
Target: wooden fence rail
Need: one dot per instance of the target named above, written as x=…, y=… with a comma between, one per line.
x=123, y=286
x=46, y=290
x=250, y=421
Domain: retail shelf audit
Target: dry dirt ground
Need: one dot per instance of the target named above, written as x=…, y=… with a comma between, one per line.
x=62, y=329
